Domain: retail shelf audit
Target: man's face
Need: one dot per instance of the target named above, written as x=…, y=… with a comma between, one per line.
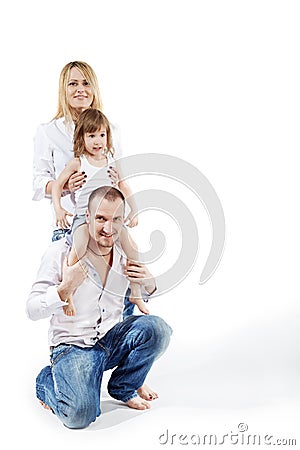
x=105, y=220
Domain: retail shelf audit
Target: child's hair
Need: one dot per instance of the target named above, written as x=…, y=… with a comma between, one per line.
x=90, y=121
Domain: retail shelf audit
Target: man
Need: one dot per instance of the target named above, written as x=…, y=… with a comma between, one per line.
x=96, y=338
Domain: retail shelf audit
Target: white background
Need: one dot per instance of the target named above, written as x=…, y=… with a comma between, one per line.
x=217, y=84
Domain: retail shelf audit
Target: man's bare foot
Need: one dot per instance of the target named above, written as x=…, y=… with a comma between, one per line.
x=138, y=403
x=147, y=393
x=45, y=406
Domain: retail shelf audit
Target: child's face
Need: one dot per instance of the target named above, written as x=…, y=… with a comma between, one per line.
x=96, y=142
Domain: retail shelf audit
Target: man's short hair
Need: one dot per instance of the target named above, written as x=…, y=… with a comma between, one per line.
x=105, y=192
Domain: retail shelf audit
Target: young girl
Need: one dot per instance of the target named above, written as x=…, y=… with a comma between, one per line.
x=93, y=154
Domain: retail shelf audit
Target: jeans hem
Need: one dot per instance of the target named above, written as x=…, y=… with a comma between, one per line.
x=129, y=397
x=39, y=395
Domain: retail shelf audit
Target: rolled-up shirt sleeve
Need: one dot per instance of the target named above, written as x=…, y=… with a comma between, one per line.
x=43, y=300
x=43, y=166
x=146, y=295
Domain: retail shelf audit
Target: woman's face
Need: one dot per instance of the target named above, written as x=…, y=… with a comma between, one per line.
x=79, y=91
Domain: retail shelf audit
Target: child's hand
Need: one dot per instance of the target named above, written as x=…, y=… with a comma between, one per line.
x=131, y=221
x=61, y=218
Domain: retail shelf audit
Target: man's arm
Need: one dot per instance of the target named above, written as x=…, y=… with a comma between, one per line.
x=43, y=299
x=54, y=283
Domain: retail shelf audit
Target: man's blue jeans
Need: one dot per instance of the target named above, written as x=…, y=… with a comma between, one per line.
x=71, y=386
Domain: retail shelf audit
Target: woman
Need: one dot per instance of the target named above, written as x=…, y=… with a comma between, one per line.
x=53, y=144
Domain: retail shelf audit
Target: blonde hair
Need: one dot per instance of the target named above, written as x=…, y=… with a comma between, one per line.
x=90, y=121
x=63, y=108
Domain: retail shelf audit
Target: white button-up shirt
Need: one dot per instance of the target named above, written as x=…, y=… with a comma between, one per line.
x=98, y=308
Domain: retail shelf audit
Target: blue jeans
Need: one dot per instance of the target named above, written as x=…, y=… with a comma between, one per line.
x=59, y=234
x=71, y=386
x=128, y=306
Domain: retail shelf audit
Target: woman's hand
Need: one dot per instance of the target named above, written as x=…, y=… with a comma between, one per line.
x=113, y=175
x=75, y=181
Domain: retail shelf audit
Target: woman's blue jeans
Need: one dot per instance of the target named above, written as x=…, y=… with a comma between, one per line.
x=71, y=386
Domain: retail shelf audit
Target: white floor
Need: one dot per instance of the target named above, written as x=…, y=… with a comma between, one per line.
x=217, y=84
x=214, y=389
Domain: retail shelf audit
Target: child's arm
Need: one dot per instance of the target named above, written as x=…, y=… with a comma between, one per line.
x=57, y=188
x=127, y=192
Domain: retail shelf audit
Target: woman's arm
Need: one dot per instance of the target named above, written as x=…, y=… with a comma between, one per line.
x=44, y=170
x=43, y=166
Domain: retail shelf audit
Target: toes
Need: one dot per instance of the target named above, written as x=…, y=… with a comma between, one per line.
x=146, y=393
x=138, y=403
x=45, y=406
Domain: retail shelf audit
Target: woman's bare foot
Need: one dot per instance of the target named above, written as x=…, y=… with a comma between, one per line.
x=138, y=403
x=147, y=393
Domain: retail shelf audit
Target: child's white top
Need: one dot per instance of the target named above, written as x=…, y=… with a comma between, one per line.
x=96, y=177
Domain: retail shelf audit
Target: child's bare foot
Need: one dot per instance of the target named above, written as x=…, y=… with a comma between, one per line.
x=139, y=302
x=138, y=403
x=69, y=309
x=137, y=299
x=147, y=393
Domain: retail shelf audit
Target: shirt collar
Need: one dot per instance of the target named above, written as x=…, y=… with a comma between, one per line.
x=61, y=124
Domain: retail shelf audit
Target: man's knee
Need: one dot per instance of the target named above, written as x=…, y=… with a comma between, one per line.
x=157, y=330
x=80, y=416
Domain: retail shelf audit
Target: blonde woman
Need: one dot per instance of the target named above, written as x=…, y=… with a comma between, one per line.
x=53, y=143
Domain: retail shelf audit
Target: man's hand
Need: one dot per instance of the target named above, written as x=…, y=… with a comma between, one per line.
x=72, y=278
x=138, y=273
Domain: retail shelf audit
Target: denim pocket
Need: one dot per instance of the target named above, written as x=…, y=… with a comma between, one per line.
x=60, y=351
